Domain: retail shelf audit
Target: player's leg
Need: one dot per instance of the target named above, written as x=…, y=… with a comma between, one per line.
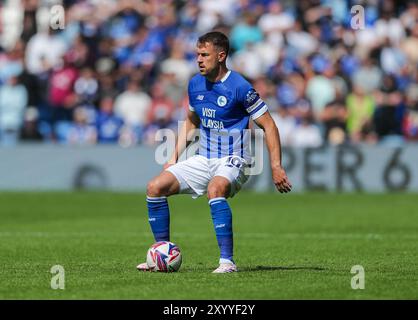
x=190, y=176
x=229, y=177
x=158, y=189
x=219, y=189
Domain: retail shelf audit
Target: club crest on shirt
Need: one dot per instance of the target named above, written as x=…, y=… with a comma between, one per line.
x=222, y=101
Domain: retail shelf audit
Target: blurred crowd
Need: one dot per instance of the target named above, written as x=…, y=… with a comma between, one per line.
x=118, y=70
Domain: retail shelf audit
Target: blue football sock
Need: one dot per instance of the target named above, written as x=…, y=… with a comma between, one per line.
x=222, y=221
x=159, y=218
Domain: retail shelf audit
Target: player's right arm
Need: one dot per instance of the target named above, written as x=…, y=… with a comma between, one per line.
x=185, y=136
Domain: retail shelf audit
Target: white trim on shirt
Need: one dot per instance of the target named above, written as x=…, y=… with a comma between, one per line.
x=260, y=112
x=226, y=76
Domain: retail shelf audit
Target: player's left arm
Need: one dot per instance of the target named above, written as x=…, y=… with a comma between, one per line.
x=280, y=179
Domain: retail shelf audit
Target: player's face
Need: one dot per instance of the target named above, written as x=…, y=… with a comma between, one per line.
x=208, y=58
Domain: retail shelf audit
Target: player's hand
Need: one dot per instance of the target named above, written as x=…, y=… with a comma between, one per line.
x=281, y=180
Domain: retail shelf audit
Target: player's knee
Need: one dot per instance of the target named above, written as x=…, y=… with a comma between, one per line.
x=155, y=189
x=217, y=190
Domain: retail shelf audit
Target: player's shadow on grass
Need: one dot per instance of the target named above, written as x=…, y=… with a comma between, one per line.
x=263, y=268
x=278, y=268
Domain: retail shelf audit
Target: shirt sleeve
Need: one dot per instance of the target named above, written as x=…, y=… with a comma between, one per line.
x=191, y=108
x=253, y=104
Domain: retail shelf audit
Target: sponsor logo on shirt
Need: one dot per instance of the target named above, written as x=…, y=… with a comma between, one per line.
x=251, y=97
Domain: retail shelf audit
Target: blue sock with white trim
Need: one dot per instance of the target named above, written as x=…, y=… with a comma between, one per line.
x=159, y=218
x=222, y=221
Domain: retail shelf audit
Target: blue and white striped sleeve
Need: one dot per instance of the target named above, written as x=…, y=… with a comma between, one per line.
x=253, y=104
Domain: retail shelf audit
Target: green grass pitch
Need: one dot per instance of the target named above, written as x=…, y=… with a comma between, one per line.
x=296, y=246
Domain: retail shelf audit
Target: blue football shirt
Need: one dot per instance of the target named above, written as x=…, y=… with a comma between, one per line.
x=224, y=108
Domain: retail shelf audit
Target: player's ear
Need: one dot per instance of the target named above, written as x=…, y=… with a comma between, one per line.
x=221, y=56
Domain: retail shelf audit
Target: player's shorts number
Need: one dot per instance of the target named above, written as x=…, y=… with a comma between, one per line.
x=234, y=162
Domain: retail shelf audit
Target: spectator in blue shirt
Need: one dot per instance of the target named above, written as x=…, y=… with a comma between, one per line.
x=108, y=125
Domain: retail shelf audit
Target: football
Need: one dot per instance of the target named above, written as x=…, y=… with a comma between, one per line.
x=164, y=256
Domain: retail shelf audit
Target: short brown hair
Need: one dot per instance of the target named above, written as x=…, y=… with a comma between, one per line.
x=218, y=39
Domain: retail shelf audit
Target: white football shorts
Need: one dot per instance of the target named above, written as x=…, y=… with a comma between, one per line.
x=195, y=173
